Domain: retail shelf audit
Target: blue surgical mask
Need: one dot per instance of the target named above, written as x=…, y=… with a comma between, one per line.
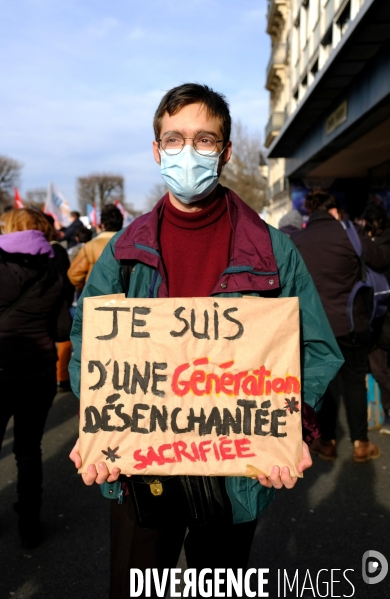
x=190, y=176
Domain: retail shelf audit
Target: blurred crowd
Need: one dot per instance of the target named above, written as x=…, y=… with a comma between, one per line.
x=43, y=270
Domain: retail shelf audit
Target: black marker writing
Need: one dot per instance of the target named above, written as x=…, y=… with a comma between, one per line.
x=114, y=331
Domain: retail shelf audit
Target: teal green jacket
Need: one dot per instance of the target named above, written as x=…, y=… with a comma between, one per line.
x=264, y=262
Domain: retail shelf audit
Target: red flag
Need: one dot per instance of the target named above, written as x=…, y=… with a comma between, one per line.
x=17, y=201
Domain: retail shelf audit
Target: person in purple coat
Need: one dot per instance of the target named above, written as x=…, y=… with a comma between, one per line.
x=33, y=315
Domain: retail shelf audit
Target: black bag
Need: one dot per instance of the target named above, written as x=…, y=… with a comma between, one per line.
x=373, y=282
x=202, y=499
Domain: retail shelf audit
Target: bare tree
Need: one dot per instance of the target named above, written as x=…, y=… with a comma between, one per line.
x=36, y=198
x=242, y=173
x=155, y=194
x=9, y=178
x=131, y=210
x=86, y=193
x=99, y=189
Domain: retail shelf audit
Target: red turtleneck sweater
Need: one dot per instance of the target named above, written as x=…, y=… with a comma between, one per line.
x=195, y=248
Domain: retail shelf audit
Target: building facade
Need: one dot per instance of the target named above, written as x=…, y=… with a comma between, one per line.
x=329, y=83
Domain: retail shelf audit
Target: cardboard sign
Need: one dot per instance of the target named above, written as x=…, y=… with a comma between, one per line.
x=201, y=386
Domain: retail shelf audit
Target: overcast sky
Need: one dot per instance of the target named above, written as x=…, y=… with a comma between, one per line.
x=81, y=79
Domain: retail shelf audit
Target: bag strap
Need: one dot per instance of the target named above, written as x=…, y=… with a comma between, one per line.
x=356, y=243
x=127, y=268
x=34, y=284
x=354, y=238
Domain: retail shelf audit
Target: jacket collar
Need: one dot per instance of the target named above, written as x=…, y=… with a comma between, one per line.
x=252, y=265
x=106, y=234
x=320, y=215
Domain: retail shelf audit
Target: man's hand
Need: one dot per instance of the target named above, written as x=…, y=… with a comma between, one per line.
x=281, y=477
x=98, y=476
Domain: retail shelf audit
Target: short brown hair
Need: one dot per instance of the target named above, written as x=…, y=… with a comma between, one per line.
x=321, y=199
x=25, y=219
x=194, y=93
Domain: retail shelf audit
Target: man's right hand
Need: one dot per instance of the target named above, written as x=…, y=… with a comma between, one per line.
x=99, y=475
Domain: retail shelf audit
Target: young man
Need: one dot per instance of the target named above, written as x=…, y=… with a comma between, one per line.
x=202, y=240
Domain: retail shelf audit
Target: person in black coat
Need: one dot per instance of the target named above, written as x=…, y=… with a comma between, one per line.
x=335, y=268
x=33, y=315
x=69, y=234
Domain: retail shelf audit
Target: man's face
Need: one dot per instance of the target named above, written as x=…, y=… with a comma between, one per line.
x=189, y=121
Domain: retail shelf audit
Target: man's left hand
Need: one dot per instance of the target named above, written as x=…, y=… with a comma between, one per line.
x=280, y=477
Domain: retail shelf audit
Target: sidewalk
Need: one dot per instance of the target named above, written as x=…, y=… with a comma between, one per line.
x=336, y=513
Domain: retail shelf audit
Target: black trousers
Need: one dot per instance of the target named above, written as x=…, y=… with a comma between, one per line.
x=28, y=400
x=212, y=546
x=354, y=348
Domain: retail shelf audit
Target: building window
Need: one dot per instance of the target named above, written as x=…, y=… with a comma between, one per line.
x=305, y=7
x=344, y=16
x=328, y=38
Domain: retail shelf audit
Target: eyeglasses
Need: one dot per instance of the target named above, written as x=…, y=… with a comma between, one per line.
x=204, y=143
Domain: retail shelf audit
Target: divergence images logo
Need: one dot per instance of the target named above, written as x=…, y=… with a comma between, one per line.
x=374, y=567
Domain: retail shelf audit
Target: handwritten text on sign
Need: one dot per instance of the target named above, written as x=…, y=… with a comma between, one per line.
x=207, y=386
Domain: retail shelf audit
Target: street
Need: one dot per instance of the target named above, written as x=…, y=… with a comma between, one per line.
x=334, y=515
